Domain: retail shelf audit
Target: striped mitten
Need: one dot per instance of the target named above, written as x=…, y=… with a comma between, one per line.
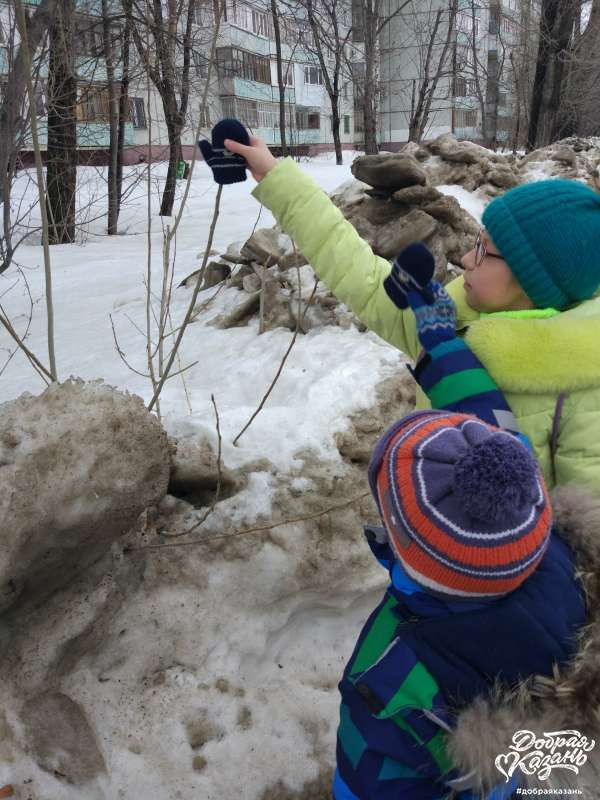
x=227, y=167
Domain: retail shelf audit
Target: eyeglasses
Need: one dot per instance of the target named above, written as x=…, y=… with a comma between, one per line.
x=480, y=250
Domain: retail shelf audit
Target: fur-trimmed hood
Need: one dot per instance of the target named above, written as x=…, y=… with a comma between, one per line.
x=558, y=354
x=570, y=701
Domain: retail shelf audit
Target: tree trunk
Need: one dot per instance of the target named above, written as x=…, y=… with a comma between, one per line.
x=113, y=116
x=61, y=177
x=174, y=133
x=417, y=124
x=11, y=120
x=550, y=12
x=477, y=75
x=124, y=113
x=559, y=118
x=370, y=93
x=335, y=130
x=280, y=80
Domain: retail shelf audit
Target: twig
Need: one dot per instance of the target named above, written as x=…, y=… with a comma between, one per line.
x=35, y=362
x=261, y=528
x=149, y=354
x=278, y=373
x=41, y=190
x=122, y=354
x=190, y=310
x=185, y=388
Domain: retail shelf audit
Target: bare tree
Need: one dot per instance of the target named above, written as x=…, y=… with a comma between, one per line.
x=329, y=41
x=580, y=101
x=434, y=61
x=557, y=26
x=275, y=14
x=368, y=24
x=61, y=172
x=116, y=110
x=14, y=117
x=166, y=53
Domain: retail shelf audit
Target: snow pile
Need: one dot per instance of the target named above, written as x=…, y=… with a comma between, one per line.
x=78, y=465
x=207, y=670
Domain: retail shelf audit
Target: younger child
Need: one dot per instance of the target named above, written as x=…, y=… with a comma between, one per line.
x=481, y=591
x=525, y=304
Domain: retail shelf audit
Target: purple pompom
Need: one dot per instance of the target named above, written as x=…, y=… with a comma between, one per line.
x=496, y=479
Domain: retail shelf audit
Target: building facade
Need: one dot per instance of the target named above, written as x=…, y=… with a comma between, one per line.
x=460, y=67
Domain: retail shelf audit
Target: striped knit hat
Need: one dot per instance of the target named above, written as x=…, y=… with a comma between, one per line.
x=464, y=504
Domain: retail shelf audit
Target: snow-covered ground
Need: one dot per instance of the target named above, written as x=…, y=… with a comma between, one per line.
x=248, y=694
x=332, y=370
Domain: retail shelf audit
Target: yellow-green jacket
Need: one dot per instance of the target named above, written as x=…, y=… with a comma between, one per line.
x=548, y=368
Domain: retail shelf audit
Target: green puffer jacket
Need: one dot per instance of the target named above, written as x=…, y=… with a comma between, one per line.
x=548, y=368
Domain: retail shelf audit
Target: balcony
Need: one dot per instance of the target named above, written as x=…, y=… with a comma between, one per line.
x=253, y=90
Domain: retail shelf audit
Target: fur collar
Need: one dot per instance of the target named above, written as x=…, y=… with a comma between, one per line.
x=538, y=356
x=570, y=700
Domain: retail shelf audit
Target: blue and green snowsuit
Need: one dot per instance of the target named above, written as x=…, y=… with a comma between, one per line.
x=420, y=659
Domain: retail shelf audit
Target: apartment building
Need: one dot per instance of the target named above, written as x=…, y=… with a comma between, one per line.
x=247, y=85
x=474, y=96
x=475, y=91
x=244, y=83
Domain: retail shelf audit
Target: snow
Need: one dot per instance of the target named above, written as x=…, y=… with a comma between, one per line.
x=334, y=371
x=277, y=643
x=470, y=201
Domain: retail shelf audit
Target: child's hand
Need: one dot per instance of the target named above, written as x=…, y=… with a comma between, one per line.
x=257, y=154
x=436, y=321
x=412, y=269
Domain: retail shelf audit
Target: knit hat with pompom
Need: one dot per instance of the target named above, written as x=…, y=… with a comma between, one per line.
x=464, y=504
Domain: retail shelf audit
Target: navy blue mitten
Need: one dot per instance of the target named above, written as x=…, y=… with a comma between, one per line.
x=227, y=167
x=412, y=269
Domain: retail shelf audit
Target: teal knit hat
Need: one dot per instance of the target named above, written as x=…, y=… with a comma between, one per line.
x=548, y=232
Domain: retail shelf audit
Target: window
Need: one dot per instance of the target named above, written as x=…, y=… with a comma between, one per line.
x=464, y=56
x=296, y=32
x=200, y=64
x=465, y=118
x=465, y=87
x=89, y=39
x=509, y=26
x=250, y=19
x=358, y=21
x=359, y=116
x=466, y=24
x=287, y=72
x=92, y=104
x=346, y=123
x=232, y=62
x=313, y=75
x=242, y=109
x=137, y=112
x=254, y=113
x=494, y=21
x=307, y=119
x=502, y=99
x=204, y=14
x=260, y=23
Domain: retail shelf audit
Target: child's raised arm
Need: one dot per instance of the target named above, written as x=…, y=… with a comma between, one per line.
x=341, y=259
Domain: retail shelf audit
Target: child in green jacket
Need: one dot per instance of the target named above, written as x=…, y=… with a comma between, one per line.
x=527, y=303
